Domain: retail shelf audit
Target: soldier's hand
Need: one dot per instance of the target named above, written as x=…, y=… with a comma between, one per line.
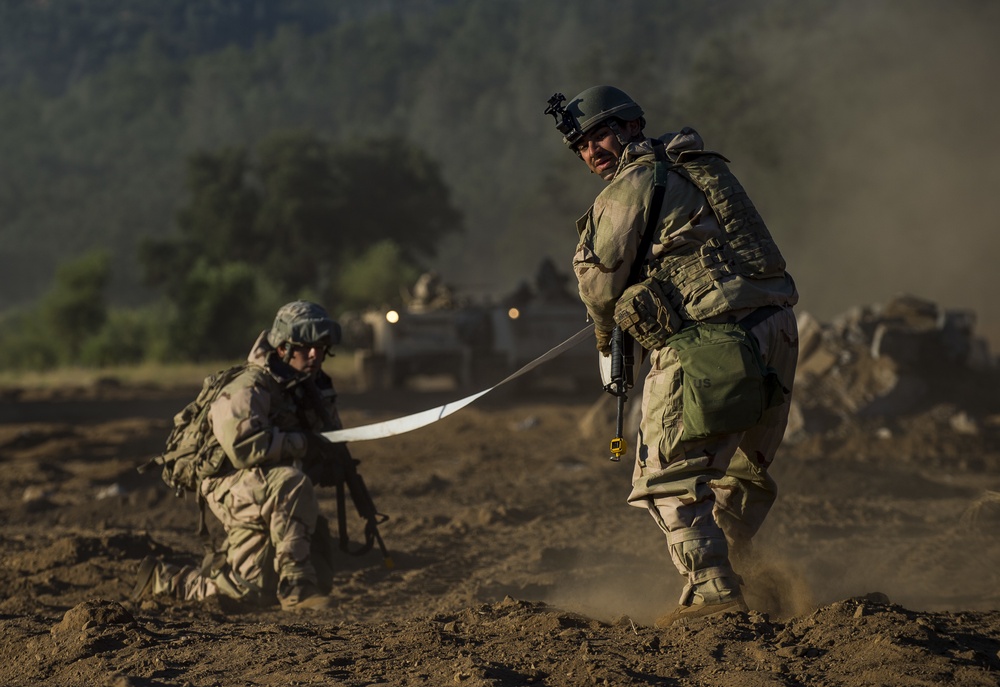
x=327, y=463
x=603, y=341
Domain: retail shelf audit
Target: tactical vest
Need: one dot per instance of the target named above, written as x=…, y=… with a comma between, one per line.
x=744, y=270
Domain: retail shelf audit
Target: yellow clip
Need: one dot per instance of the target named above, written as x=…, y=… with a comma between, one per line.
x=389, y=564
x=618, y=447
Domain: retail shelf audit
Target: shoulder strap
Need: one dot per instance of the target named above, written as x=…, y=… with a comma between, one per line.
x=659, y=189
x=758, y=316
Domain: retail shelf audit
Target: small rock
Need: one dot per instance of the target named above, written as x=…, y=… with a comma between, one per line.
x=110, y=491
x=526, y=423
x=94, y=613
x=790, y=651
x=35, y=492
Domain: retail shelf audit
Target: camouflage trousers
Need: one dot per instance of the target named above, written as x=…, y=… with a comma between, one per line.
x=710, y=495
x=269, y=516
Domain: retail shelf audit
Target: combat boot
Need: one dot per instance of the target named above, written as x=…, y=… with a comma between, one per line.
x=305, y=597
x=733, y=604
x=145, y=577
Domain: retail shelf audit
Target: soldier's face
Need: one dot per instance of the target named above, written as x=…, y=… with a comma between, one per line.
x=601, y=151
x=307, y=358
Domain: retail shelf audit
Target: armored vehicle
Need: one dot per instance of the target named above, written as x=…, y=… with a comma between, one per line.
x=521, y=334
x=404, y=344
x=536, y=317
x=476, y=346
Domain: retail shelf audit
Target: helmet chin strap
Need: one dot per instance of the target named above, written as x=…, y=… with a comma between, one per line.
x=617, y=131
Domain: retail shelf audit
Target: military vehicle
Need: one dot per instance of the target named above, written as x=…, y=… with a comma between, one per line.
x=399, y=345
x=437, y=335
x=521, y=334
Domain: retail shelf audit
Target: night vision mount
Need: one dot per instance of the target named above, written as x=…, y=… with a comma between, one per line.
x=565, y=122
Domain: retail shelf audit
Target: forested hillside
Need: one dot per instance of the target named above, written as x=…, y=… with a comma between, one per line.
x=860, y=128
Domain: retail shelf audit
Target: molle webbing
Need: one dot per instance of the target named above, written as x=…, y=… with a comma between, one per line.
x=746, y=251
x=691, y=276
x=749, y=251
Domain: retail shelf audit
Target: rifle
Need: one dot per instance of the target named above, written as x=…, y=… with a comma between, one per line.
x=622, y=357
x=338, y=468
x=622, y=360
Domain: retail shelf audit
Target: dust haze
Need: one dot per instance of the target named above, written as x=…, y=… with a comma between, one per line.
x=891, y=160
x=865, y=132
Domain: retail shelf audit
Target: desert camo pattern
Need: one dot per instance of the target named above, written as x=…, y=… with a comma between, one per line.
x=712, y=494
x=265, y=502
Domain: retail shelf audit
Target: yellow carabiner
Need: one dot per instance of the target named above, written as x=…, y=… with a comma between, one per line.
x=618, y=447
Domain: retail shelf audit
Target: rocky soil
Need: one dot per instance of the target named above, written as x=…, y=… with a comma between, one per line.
x=516, y=559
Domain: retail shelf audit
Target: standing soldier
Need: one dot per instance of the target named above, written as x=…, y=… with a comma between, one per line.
x=673, y=244
x=264, y=426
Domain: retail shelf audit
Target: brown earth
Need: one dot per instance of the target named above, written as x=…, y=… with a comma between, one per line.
x=517, y=561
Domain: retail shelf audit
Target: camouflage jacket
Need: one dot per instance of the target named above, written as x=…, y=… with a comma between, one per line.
x=259, y=417
x=611, y=231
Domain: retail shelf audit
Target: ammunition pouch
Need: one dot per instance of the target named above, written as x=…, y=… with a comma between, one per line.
x=726, y=385
x=644, y=313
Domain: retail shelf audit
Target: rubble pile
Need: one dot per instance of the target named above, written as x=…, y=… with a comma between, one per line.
x=905, y=358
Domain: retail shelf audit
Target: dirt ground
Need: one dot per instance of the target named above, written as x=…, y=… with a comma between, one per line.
x=517, y=560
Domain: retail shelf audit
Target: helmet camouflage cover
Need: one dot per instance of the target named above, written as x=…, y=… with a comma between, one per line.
x=302, y=322
x=589, y=109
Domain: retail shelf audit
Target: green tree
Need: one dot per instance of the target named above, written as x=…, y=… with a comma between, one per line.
x=57, y=329
x=75, y=309
x=27, y=345
x=128, y=337
x=300, y=212
x=217, y=312
x=298, y=221
x=380, y=275
x=394, y=190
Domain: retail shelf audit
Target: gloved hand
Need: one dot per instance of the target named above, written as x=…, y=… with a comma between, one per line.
x=603, y=341
x=326, y=463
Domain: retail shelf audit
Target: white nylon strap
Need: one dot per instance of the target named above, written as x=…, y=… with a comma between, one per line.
x=407, y=423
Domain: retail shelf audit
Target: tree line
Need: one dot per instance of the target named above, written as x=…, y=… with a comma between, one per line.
x=144, y=140
x=94, y=155
x=295, y=217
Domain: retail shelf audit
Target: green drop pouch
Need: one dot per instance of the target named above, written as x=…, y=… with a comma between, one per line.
x=726, y=385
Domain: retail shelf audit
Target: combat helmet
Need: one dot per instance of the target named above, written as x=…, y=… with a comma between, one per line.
x=591, y=108
x=302, y=322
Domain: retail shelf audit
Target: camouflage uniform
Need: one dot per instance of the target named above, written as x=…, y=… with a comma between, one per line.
x=682, y=482
x=265, y=502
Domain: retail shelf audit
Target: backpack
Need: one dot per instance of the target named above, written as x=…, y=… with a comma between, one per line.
x=191, y=453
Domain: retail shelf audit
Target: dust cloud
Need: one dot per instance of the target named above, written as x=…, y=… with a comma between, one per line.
x=891, y=135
